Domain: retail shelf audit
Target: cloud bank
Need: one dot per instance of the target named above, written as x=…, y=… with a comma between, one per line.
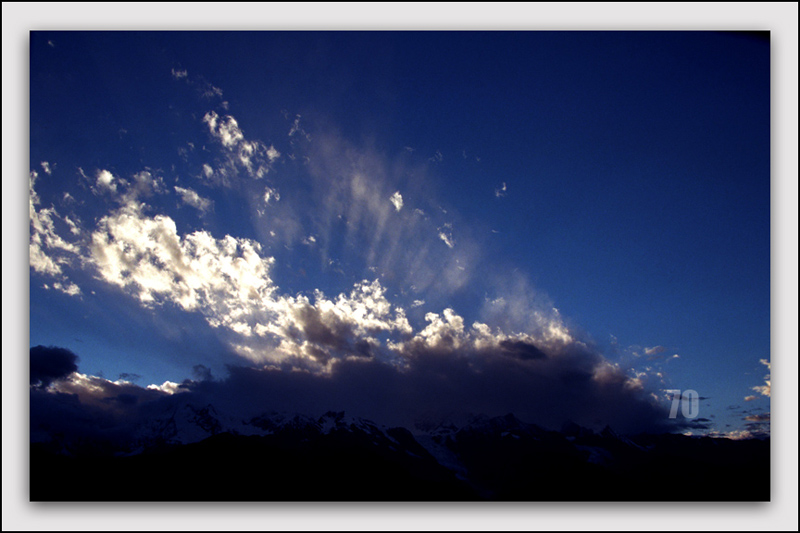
x=515, y=376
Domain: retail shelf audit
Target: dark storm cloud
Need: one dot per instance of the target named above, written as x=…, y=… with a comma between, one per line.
x=445, y=385
x=126, y=399
x=521, y=350
x=64, y=419
x=325, y=331
x=699, y=423
x=202, y=373
x=49, y=363
x=106, y=416
x=543, y=388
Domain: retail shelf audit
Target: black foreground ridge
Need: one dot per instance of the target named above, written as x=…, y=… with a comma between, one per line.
x=194, y=454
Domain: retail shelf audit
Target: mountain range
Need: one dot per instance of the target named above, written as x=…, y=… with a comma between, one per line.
x=197, y=453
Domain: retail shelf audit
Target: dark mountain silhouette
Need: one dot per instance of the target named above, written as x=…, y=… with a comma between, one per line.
x=198, y=454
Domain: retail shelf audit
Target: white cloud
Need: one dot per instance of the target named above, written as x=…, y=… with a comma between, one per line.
x=48, y=251
x=179, y=74
x=255, y=157
x=70, y=288
x=328, y=329
x=74, y=227
x=766, y=389
x=446, y=235
x=191, y=198
x=105, y=182
x=397, y=201
x=221, y=278
x=297, y=129
x=46, y=168
x=225, y=129
x=443, y=332
x=271, y=194
x=500, y=192
x=97, y=392
x=272, y=154
x=209, y=91
x=169, y=387
x=738, y=434
x=143, y=185
x=446, y=333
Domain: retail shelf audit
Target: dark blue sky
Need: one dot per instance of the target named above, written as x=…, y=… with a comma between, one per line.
x=622, y=178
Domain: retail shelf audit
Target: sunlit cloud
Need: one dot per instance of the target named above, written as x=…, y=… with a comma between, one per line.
x=105, y=183
x=103, y=393
x=209, y=91
x=168, y=387
x=397, y=201
x=191, y=198
x=49, y=252
x=271, y=194
x=297, y=129
x=739, y=434
x=766, y=389
x=69, y=288
x=446, y=235
x=254, y=157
